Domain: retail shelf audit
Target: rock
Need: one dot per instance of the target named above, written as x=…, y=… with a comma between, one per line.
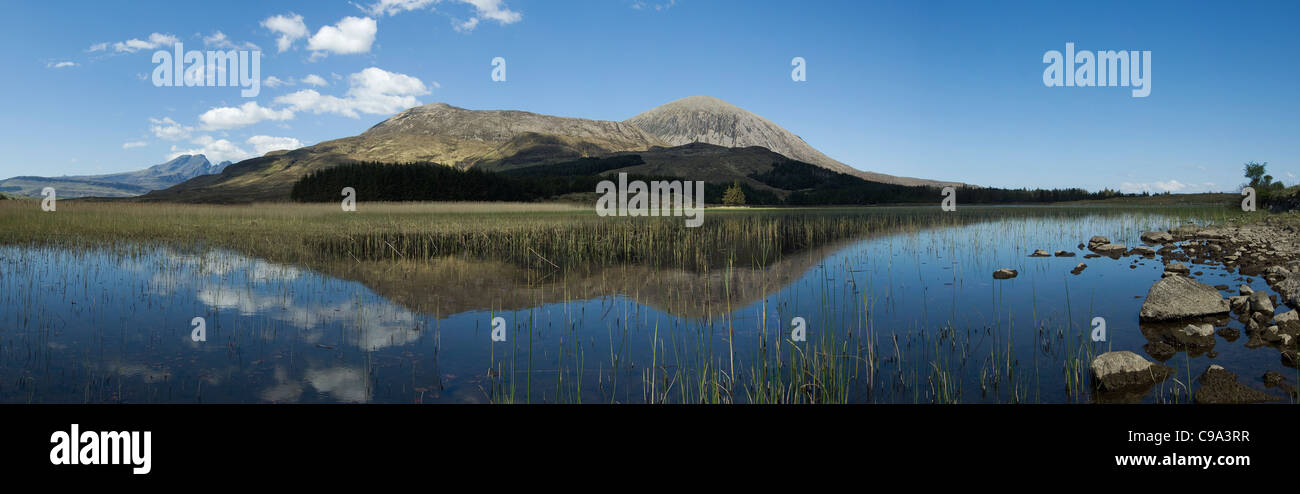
x=1004, y=274
x=1239, y=304
x=1229, y=333
x=1289, y=289
x=1196, y=335
x=1259, y=302
x=1143, y=251
x=1291, y=358
x=1285, y=317
x=1246, y=290
x=1155, y=238
x=1112, y=250
x=1115, y=371
x=1177, y=267
x=1040, y=253
x=1285, y=339
x=1220, y=386
x=1271, y=335
x=1064, y=253
x=1160, y=350
x=1276, y=273
x=1177, y=297
x=1274, y=379
x=1097, y=240
x=1078, y=268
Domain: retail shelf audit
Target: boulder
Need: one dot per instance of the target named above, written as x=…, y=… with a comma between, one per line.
x=1260, y=303
x=1289, y=291
x=1246, y=290
x=1177, y=268
x=1097, y=240
x=1079, y=268
x=1156, y=238
x=1196, y=335
x=1115, y=371
x=1004, y=274
x=1239, y=304
x=1178, y=297
x=1040, y=253
x=1112, y=250
x=1143, y=251
x=1064, y=253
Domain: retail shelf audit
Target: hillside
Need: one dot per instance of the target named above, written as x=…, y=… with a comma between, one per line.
x=710, y=120
x=435, y=133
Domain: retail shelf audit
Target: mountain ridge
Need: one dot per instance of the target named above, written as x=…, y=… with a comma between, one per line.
x=499, y=140
x=125, y=184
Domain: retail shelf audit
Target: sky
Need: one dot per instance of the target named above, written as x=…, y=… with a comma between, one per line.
x=940, y=90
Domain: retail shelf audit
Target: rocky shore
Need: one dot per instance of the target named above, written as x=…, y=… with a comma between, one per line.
x=1183, y=314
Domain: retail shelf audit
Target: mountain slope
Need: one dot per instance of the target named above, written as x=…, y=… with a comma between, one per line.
x=125, y=184
x=713, y=121
x=438, y=133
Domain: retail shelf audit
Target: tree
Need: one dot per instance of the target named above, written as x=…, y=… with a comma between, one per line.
x=734, y=195
x=1258, y=175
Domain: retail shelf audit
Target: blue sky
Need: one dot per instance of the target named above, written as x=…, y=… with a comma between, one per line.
x=944, y=90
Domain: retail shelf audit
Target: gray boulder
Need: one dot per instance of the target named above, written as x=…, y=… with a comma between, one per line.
x=1196, y=335
x=1115, y=371
x=1259, y=302
x=1178, y=297
x=1156, y=238
x=1004, y=274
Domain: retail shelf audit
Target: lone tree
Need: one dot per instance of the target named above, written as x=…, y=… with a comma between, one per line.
x=1259, y=177
x=1262, y=182
x=734, y=196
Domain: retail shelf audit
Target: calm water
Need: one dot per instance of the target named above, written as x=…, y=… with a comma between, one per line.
x=911, y=317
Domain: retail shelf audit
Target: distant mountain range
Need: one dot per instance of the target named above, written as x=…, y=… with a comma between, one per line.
x=126, y=184
x=695, y=138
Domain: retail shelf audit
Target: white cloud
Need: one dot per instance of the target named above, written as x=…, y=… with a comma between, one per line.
x=265, y=144
x=216, y=150
x=97, y=47
x=219, y=40
x=155, y=41
x=274, y=82
x=1172, y=186
x=372, y=91
x=641, y=5
x=315, y=80
x=290, y=28
x=494, y=10
x=60, y=65
x=351, y=35
x=134, y=144
x=393, y=7
x=168, y=129
x=232, y=117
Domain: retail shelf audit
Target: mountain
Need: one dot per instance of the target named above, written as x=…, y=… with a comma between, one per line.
x=733, y=144
x=438, y=133
x=125, y=184
x=713, y=121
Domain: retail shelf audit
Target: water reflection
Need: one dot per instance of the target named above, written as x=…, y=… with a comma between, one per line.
x=911, y=316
